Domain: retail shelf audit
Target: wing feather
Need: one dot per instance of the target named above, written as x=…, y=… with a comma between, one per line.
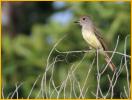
x=100, y=38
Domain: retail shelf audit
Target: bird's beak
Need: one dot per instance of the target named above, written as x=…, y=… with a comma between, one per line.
x=77, y=22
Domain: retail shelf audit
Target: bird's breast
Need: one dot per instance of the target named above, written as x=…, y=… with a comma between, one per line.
x=91, y=38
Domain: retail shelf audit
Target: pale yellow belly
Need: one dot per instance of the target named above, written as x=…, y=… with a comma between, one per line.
x=91, y=39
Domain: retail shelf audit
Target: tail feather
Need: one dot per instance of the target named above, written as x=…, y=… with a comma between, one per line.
x=111, y=65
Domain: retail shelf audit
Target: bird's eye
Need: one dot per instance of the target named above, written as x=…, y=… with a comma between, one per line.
x=84, y=18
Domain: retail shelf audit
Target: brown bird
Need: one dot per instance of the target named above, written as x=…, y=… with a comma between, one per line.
x=93, y=37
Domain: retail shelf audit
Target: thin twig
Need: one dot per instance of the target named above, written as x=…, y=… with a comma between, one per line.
x=33, y=87
x=3, y=92
x=91, y=66
x=111, y=56
x=16, y=90
x=128, y=84
x=43, y=82
x=87, y=51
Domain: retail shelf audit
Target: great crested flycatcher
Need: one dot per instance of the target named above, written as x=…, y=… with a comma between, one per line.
x=92, y=36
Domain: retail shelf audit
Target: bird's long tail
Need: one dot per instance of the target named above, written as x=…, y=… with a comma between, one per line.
x=111, y=65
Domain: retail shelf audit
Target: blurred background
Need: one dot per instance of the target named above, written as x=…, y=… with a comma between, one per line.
x=30, y=30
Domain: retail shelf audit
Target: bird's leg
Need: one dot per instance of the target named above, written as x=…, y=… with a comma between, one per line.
x=87, y=49
x=97, y=51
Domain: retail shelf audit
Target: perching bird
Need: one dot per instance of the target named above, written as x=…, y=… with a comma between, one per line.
x=92, y=36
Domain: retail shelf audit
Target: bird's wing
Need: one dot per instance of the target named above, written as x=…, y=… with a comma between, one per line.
x=100, y=38
x=107, y=58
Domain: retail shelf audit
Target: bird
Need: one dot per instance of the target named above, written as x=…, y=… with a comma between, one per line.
x=94, y=39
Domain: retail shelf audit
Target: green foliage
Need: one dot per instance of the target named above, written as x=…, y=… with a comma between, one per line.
x=24, y=57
